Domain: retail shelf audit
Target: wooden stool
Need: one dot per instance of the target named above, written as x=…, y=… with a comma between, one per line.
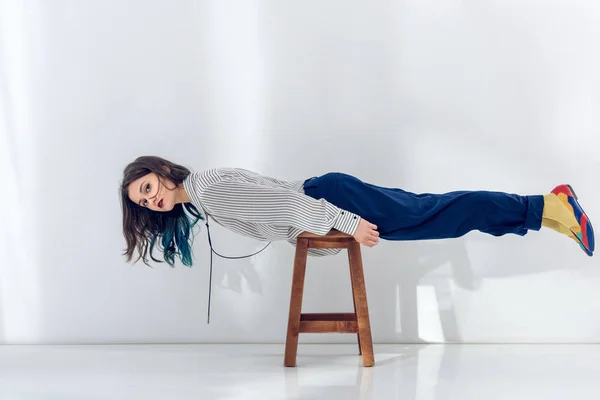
x=357, y=322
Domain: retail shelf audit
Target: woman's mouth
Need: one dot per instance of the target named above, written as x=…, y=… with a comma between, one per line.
x=160, y=203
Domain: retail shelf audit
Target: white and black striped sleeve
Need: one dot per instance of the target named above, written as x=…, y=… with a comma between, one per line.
x=277, y=206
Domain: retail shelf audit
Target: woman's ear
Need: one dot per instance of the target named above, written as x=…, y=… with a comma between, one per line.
x=162, y=181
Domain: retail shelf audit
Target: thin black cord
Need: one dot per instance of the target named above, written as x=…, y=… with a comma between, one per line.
x=209, y=284
x=211, y=264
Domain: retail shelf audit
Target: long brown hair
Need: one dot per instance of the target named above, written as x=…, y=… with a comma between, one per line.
x=143, y=227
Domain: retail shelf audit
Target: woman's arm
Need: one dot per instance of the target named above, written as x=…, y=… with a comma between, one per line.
x=277, y=206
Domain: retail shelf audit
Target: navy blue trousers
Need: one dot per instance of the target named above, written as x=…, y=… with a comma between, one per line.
x=401, y=215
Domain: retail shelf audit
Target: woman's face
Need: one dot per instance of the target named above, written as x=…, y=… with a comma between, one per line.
x=150, y=192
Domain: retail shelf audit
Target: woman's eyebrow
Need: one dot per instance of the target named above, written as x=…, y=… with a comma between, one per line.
x=141, y=184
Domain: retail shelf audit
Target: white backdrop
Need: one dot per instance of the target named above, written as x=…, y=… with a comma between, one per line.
x=429, y=96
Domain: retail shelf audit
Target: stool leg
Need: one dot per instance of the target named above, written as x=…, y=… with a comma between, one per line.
x=362, y=308
x=354, y=302
x=291, y=343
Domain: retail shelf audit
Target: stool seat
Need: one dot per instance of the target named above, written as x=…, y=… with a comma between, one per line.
x=356, y=322
x=331, y=235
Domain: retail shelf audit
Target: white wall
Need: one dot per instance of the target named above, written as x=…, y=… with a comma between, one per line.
x=424, y=95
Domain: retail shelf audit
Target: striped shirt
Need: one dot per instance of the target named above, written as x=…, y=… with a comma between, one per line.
x=265, y=208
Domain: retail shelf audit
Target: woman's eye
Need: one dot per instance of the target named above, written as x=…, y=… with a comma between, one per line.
x=147, y=188
x=145, y=203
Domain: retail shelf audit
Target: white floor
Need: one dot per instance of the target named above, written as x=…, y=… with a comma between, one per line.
x=324, y=372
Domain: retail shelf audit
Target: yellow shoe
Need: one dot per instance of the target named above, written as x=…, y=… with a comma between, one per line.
x=576, y=219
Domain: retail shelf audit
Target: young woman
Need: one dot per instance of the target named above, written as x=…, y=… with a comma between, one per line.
x=163, y=201
x=156, y=194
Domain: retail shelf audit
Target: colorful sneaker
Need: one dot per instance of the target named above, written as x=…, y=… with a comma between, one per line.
x=585, y=232
x=576, y=239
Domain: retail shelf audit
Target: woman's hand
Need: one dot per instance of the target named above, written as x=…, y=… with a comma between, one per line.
x=366, y=233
